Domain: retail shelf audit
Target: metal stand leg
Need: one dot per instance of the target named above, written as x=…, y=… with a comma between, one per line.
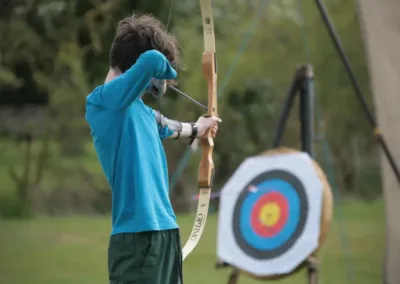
x=311, y=266
x=234, y=277
x=312, y=270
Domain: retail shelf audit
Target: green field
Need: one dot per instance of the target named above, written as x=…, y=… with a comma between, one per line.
x=73, y=250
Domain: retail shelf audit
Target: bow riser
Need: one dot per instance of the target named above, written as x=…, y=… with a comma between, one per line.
x=206, y=168
x=210, y=74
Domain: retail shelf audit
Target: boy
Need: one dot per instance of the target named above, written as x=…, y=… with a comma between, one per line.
x=144, y=244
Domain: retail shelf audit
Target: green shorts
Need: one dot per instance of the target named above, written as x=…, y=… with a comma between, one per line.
x=153, y=257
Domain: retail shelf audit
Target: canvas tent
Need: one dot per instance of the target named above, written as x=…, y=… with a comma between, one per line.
x=380, y=24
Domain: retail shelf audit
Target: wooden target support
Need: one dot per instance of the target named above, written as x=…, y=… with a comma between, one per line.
x=301, y=85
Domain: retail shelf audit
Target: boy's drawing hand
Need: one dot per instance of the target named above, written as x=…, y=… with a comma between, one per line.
x=157, y=87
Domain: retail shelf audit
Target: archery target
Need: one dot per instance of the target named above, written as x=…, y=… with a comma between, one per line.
x=270, y=213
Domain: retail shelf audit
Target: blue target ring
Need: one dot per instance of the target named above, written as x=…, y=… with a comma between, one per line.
x=292, y=192
x=288, y=229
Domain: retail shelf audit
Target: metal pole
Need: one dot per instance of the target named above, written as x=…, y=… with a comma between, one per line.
x=287, y=106
x=339, y=47
x=307, y=110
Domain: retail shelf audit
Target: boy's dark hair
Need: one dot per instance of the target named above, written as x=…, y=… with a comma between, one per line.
x=137, y=34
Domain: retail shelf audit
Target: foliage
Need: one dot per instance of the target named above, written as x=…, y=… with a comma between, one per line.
x=56, y=52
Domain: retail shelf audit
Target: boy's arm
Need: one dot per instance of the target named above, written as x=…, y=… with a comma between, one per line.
x=121, y=92
x=173, y=129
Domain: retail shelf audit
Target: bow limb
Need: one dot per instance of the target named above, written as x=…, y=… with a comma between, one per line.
x=206, y=168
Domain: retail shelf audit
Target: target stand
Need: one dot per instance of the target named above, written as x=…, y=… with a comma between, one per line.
x=276, y=209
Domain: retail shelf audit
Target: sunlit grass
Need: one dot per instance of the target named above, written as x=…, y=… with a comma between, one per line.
x=73, y=250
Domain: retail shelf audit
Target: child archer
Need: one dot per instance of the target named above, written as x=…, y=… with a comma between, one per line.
x=144, y=245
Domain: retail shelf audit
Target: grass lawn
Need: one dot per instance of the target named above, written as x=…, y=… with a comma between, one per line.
x=72, y=250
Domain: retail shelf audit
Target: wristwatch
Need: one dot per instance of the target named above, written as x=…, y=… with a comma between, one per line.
x=194, y=133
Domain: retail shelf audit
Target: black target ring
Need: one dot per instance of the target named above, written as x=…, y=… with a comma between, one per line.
x=293, y=189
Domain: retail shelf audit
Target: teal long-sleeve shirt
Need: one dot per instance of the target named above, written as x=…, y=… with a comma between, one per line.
x=127, y=139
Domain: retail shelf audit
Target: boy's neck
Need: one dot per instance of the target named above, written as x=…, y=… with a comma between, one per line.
x=112, y=74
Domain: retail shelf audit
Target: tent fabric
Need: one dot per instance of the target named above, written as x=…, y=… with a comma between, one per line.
x=380, y=25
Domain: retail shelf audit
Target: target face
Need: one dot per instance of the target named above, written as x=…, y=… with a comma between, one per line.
x=270, y=214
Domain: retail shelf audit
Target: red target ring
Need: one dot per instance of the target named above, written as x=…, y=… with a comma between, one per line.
x=269, y=214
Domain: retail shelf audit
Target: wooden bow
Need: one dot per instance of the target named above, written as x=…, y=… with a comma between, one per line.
x=206, y=168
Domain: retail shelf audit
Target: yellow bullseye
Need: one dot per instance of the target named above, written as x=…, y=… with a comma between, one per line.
x=270, y=214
